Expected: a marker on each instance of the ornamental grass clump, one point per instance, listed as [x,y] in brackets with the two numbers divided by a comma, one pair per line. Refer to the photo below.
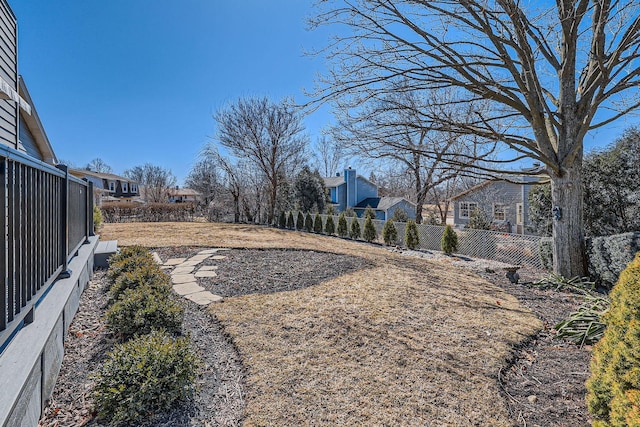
[142,310]
[411,238]
[369,234]
[449,243]
[389,233]
[613,390]
[329,226]
[343,228]
[317,224]
[144,376]
[354,230]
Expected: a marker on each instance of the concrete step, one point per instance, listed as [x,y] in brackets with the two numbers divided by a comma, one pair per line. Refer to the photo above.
[104,250]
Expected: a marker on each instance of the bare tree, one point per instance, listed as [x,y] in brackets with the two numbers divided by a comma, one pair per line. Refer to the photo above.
[98,165]
[154,180]
[268,135]
[328,156]
[205,178]
[550,72]
[397,128]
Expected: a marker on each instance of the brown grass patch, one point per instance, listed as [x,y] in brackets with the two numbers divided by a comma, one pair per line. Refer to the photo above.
[405,342]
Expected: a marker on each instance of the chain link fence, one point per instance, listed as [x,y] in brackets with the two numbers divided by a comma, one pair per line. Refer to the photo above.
[515,249]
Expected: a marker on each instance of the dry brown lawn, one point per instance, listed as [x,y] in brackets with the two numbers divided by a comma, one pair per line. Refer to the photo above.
[405,342]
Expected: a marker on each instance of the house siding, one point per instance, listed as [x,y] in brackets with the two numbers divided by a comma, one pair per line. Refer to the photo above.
[8,72]
[405,205]
[28,142]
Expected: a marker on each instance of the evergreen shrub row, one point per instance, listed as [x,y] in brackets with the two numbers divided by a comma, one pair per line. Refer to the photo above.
[153,367]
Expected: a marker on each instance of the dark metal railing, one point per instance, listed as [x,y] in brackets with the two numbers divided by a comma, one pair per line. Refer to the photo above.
[46,216]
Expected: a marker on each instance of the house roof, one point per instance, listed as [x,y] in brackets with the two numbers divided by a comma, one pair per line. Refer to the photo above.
[101,175]
[183,192]
[33,123]
[381,203]
[333,181]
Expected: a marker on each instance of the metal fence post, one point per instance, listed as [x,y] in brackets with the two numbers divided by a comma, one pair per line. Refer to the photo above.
[64,224]
[90,224]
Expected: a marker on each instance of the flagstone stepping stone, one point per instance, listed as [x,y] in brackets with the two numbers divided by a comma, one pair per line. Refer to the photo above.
[175,261]
[199,258]
[208,268]
[206,273]
[208,251]
[183,269]
[187,288]
[157,258]
[218,257]
[189,262]
[204,298]
[182,278]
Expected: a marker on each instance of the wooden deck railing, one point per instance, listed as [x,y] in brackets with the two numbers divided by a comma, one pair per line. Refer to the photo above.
[46,215]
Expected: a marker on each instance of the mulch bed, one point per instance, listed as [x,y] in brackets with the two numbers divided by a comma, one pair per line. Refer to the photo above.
[544,386]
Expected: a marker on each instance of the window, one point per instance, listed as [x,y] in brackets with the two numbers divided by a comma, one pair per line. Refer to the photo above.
[499,212]
[112,186]
[125,187]
[519,214]
[466,208]
[134,188]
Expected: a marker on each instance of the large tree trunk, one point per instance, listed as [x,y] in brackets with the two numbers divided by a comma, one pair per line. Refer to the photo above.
[569,258]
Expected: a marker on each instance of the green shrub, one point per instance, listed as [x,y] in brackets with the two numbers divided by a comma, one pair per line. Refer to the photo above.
[330,210]
[329,226]
[545,251]
[343,228]
[399,215]
[354,230]
[290,222]
[143,309]
[389,233]
[282,220]
[369,213]
[609,255]
[449,243]
[478,220]
[144,376]
[128,265]
[349,212]
[308,222]
[300,221]
[411,238]
[97,218]
[613,390]
[128,252]
[369,233]
[145,275]
[317,224]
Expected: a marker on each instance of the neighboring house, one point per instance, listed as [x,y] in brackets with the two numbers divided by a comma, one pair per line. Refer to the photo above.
[109,187]
[352,191]
[505,203]
[184,195]
[46,259]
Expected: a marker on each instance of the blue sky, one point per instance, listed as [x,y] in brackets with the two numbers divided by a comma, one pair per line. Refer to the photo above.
[135,81]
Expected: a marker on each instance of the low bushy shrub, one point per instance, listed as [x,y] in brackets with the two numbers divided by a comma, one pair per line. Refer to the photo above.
[317,224]
[290,221]
[128,265]
[144,376]
[354,230]
[145,275]
[613,396]
[128,252]
[389,233]
[114,212]
[411,238]
[300,221]
[449,243]
[343,228]
[97,218]
[369,234]
[329,226]
[143,309]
